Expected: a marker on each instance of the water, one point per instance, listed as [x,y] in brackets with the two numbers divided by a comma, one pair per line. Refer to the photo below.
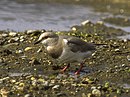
[21,17]
[50,16]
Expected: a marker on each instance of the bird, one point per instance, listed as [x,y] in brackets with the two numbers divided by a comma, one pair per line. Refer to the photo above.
[66,49]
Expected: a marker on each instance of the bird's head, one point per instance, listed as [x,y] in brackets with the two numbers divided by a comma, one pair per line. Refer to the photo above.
[47,39]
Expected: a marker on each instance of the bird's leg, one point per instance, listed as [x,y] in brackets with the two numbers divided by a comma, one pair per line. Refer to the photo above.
[64,69]
[81,66]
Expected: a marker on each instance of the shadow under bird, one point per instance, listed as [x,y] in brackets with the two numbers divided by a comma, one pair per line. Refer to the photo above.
[66,49]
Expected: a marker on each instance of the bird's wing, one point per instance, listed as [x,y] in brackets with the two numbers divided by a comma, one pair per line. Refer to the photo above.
[76,44]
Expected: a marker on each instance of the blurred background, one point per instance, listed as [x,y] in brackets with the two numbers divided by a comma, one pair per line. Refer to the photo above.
[60,15]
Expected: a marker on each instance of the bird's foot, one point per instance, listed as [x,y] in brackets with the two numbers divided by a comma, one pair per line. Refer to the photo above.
[64,69]
[77,72]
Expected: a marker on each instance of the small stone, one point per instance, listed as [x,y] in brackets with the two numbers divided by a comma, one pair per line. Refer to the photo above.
[34,32]
[56,87]
[11,44]
[85,22]
[60,94]
[125,40]
[22,38]
[39,50]
[30,31]
[100,22]
[12,34]
[117,50]
[28,48]
[4,92]
[93,87]
[73,29]
[96,92]
[128,57]
[12,81]
[87,81]
[12,40]
[19,52]
[84,95]
[89,95]
[27,95]
[4,35]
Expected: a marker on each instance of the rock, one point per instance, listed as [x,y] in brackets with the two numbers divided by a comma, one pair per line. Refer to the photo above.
[12,34]
[22,38]
[10,44]
[27,95]
[84,95]
[117,50]
[4,35]
[85,22]
[19,52]
[35,32]
[28,48]
[128,57]
[12,40]
[100,22]
[73,29]
[39,50]
[56,87]
[89,95]
[96,92]
[60,94]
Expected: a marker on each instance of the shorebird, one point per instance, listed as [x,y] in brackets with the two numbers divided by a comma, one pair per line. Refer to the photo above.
[66,49]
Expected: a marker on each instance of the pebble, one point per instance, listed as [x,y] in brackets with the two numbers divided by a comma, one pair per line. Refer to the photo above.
[30,31]
[19,52]
[39,50]
[128,57]
[22,38]
[4,35]
[100,22]
[85,22]
[73,29]
[60,94]
[84,95]
[27,95]
[96,92]
[56,87]
[116,50]
[12,34]
[12,40]
[35,32]
[28,48]
[11,44]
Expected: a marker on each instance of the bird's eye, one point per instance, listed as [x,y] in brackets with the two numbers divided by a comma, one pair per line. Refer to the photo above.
[45,37]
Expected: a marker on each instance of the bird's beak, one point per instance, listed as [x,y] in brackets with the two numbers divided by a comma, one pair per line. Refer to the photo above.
[37,42]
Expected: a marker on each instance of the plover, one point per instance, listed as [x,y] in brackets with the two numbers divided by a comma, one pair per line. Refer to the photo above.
[66,49]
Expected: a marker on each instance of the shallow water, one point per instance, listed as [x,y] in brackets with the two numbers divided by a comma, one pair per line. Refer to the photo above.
[20,17]
[50,16]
